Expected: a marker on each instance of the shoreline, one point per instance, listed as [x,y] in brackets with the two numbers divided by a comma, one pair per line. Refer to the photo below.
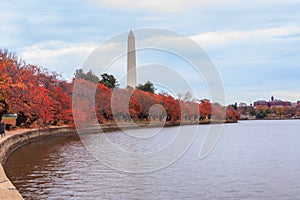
[270,119]
[106,128]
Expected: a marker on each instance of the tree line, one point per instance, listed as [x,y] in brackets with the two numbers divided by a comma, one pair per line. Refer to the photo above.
[41,98]
[270,112]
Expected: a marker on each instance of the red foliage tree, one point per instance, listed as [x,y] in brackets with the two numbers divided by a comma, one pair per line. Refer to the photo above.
[172,107]
[32,91]
[205,109]
[103,98]
[231,114]
[146,100]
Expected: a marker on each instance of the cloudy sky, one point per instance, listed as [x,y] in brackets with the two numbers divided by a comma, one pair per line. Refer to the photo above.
[253,44]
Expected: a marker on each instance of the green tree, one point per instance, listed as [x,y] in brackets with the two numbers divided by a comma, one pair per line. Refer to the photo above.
[261,115]
[109,80]
[147,87]
[89,76]
[251,111]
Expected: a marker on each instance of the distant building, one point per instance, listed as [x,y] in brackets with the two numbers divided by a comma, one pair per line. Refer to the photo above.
[261,103]
[280,103]
[273,102]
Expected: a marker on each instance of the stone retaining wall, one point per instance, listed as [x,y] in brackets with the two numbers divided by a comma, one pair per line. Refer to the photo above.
[14,140]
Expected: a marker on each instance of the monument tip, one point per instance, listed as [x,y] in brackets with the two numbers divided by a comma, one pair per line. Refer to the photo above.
[131,34]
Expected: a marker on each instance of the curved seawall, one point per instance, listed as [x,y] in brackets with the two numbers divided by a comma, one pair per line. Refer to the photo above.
[14,140]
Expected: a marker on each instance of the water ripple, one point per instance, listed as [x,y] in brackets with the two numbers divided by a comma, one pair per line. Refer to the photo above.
[253,160]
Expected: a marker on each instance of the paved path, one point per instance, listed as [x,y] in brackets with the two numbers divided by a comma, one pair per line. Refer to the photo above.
[15,132]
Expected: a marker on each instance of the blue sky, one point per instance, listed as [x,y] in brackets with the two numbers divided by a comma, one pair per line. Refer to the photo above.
[254,45]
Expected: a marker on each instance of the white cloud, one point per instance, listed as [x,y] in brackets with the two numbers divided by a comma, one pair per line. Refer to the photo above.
[180,5]
[50,49]
[66,57]
[57,55]
[159,5]
[225,37]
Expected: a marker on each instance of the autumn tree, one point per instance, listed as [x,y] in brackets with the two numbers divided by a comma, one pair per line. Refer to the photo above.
[205,109]
[146,100]
[172,107]
[231,114]
[125,105]
[84,104]
[32,91]
[103,98]
[7,60]
[218,112]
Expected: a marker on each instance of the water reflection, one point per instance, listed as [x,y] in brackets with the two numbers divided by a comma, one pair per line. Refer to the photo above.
[253,160]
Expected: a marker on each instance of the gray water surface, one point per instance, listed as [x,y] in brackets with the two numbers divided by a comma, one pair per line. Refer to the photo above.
[252,160]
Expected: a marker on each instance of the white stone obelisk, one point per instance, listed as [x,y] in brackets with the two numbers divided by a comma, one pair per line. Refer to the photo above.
[131,61]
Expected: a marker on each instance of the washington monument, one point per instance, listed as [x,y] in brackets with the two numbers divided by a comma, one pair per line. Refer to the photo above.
[131,61]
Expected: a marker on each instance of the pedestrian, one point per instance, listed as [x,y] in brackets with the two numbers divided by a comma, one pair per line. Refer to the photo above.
[2,129]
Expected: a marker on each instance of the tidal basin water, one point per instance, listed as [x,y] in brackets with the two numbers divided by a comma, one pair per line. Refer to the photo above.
[252,160]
